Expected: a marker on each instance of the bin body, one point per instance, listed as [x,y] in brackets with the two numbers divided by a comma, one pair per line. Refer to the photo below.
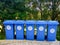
[30,30]
[52,29]
[19,30]
[41,26]
[9,29]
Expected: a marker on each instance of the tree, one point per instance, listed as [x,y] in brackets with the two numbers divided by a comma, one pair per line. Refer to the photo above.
[54,11]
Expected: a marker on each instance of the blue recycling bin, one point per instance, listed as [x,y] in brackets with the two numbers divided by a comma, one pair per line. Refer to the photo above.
[19,29]
[41,26]
[30,29]
[52,29]
[9,29]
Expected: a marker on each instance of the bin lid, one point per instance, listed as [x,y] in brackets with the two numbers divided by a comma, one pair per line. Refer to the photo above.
[30,22]
[9,22]
[20,22]
[53,22]
[41,22]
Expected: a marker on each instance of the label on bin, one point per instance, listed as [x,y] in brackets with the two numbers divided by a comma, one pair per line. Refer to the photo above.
[41,28]
[19,27]
[52,30]
[8,27]
[30,28]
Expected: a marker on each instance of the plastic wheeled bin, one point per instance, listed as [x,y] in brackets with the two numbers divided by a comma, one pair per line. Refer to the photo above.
[19,29]
[41,26]
[30,29]
[9,29]
[52,29]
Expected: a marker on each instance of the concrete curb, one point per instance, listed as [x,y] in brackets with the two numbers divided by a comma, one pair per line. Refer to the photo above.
[27,42]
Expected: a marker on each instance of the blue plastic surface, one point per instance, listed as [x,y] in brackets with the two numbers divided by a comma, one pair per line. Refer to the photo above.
[20,22]
[9,29]
[41,26]
[19,29]
[52,29]
[9,22]
[41,22]
[53,22]
[30,22]
[30,30]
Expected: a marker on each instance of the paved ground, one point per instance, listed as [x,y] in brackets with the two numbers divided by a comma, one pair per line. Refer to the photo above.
[26,42]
